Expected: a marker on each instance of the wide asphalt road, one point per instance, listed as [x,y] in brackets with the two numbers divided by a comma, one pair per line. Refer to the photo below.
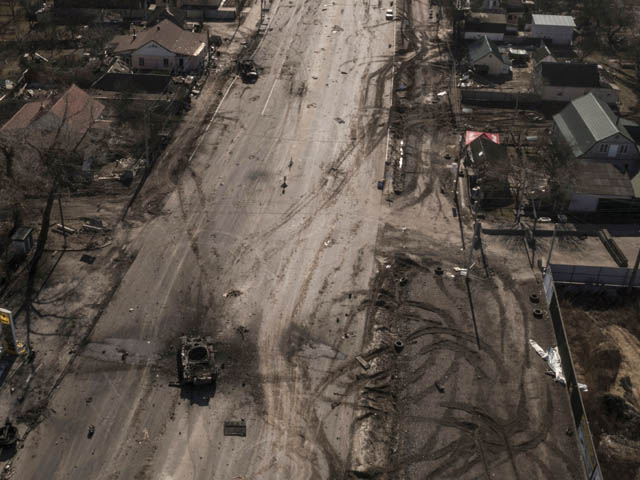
[302,259]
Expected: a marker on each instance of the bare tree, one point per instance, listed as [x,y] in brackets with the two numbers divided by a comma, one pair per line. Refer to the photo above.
[57,152]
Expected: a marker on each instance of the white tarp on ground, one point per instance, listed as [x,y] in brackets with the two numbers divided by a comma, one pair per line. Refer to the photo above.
[552,356]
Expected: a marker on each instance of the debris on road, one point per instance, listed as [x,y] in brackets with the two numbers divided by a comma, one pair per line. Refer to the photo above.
[339,120]
[232,293]
[242,331]
[88,259]
[284,185]
[552,357]
[439,387]
[91,431]
[234,428]
[363,363]
[59,228]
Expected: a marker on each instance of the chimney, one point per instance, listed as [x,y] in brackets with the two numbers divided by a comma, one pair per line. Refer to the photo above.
[158,28]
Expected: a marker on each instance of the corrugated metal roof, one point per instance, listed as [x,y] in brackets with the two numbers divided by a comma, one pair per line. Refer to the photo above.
[586,121]
[555,20]
[595,178]
[482,48]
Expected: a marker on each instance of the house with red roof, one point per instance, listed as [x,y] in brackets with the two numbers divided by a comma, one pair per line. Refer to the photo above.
[74,112]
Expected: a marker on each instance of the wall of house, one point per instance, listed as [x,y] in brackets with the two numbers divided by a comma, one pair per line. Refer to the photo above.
[583,203]
[496,66]
[559,35]
[191,63]
[566,94]
[477,35]
[154,57]
[629,159]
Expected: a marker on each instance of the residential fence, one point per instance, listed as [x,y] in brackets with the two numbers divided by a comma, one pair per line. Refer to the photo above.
[477,95]
[585,440]
[588,275]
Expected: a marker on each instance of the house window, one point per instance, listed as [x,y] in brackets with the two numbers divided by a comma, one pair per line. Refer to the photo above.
[604,148]
[181,62]
[623,149]
[141,62]
[165,62]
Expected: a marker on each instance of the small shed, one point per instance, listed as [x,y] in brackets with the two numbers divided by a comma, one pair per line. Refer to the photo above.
[542,54]
[557,29]
[22,240]
[480,24]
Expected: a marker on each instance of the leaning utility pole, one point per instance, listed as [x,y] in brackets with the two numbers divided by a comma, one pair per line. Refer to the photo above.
[634,273]
[553,241]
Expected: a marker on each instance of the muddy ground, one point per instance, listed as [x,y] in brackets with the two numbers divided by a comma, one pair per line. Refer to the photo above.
[604,333]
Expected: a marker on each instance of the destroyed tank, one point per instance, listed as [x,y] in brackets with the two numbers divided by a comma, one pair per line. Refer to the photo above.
[196,361]
[248,71]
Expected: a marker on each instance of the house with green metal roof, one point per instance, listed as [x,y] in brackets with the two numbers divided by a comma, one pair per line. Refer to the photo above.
[485,57]
[606,154]
[591,131]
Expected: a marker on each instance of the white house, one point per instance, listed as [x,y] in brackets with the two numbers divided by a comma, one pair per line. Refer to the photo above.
[165,47]
[485,57]
[557,29]
[563,82]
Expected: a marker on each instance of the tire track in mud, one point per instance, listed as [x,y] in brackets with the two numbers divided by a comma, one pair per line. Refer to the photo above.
[489,436]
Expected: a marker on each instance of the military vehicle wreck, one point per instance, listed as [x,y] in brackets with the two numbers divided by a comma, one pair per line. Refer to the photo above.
[196,361]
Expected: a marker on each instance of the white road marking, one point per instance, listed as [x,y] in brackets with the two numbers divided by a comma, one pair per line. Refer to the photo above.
[269,97]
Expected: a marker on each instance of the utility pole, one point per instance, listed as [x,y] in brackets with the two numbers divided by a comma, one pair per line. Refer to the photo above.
[456,200]
[146,138]
[553,241]
[468,282]
[533,234]
[64,230]
[634,273]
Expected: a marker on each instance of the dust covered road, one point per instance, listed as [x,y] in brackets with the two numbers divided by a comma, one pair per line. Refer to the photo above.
[277,244]
[301,256]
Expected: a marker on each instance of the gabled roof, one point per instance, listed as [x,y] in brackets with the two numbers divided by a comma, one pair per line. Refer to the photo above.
[602,178]
[483,149]
[24,117]
[483,47]
[541,52]
[558,74]
[166,34]
[75,107]
[553,20]
[586,121]
[486,22]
